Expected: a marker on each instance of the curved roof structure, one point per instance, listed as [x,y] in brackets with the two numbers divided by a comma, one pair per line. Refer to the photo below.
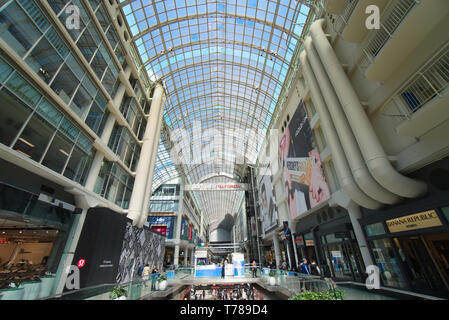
[224,64]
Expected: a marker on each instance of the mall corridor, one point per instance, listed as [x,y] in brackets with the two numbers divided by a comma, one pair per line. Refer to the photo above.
[224,150]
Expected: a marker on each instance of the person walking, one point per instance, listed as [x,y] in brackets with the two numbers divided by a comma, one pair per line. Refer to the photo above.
[154,273]
[254,268]
[314,268]
[145,273]
[305,267]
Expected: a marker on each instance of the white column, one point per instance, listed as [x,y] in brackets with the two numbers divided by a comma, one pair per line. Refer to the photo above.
[186,254]
[354,215]
[295,251]
[146,159]
[94,171]
[176,255]
[277,251]
[287,245]
[69,252]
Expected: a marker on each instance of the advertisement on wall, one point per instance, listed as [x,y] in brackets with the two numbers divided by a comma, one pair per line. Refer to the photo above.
[304,178]
[185,227]
[163,223]
[267,201]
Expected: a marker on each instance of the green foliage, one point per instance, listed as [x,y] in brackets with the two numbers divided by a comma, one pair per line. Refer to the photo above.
[271,274]
[162,277]
[331,294]
[117,292]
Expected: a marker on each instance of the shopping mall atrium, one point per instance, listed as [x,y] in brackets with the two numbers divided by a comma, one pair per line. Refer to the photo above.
[224,150]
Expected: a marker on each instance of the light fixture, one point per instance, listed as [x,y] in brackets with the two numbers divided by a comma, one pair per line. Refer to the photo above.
[64,152]
[26,142]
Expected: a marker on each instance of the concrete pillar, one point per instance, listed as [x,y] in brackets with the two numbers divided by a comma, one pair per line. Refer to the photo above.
[186,254]
[295,252]
[147,160]
[153,161]
[287,248]
[176,256]
[94,171]
[277,250]
[354,215]
[69,252]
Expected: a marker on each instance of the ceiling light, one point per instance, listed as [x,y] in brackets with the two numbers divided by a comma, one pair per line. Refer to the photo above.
[26,142]
[64,152]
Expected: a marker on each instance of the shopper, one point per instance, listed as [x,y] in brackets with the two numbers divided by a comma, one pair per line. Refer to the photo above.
[284,265]
[254,268]
[305,267]
[223,266]
[145,273]
[154,273]
[314,269]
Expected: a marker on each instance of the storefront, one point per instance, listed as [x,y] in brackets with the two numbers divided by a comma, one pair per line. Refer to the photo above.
[327,237]
[411,248]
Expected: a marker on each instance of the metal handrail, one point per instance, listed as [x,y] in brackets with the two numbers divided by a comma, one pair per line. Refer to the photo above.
[342,20]
[391,20]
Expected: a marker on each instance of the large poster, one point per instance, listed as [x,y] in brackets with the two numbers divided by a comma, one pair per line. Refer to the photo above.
[267,201]
[167,221]
[303,175]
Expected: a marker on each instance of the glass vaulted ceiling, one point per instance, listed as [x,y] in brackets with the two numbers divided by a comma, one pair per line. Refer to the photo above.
[224,64]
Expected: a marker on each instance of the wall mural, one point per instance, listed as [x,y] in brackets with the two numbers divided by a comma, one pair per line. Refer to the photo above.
[304,178]
[140,247]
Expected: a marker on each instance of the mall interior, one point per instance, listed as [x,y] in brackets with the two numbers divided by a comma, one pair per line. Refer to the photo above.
[193,149]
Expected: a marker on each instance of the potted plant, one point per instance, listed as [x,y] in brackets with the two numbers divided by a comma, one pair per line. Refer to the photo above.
[118,293]
[271,278]
[162,281]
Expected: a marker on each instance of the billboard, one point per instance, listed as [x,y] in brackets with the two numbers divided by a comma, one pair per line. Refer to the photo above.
[167,221]
[267,201]
[303,178]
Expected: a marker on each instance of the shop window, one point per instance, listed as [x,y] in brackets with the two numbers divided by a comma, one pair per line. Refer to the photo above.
[388,263]
[14,114]
[18,31]
[375,229]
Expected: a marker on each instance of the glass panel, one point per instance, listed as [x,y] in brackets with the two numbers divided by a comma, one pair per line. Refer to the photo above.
[87,45]
[13,116]
[374,229]
[340,261]
[70,130]
[65,84]
[44,60]
[5,70]
[81,102]
[35,13]
[23,90]
[18,31]
[95,117]
[58,153]
[446,214]
[34,138]
[388,263]
[49,113]
[78,165]
[57,42]
[99,64]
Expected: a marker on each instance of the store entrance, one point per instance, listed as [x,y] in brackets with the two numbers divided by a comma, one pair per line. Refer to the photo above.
[425,260]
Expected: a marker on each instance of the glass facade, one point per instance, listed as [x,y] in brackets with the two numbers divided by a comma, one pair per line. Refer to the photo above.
[114,184]
[29,32]
[164,205]
[33,126]
[89,41]
[124,146]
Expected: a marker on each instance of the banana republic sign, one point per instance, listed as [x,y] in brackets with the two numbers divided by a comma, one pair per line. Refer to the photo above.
[420,220]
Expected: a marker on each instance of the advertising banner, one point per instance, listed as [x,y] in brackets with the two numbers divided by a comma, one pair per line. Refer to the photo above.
[267,201]
[304,178]
[167,221]
[239,264]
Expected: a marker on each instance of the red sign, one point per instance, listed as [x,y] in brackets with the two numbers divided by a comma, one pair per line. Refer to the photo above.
[190,232]
[3,240]
[81,263]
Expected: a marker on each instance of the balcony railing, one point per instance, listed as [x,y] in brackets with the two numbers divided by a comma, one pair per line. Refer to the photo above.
[342,20]
[392,18]
[428,83]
